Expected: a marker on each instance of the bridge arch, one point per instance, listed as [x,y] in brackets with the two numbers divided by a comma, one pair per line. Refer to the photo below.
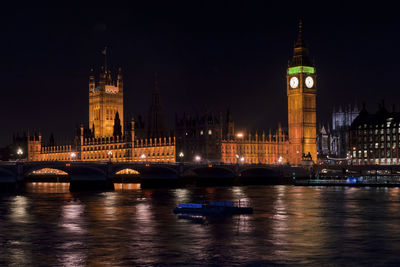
[47,171]
[69,168]
[127,171]
[149,171]
[32,169]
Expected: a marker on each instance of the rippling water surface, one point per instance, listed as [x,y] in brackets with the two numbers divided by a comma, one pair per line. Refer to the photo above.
[49,226]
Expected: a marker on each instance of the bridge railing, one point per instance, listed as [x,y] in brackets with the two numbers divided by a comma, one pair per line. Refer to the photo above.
[210,164]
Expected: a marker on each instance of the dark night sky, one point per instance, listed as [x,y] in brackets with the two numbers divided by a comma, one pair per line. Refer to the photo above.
[208,54]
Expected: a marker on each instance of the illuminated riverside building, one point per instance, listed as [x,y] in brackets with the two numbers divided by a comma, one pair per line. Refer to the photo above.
[198,138]
[374,138]
[255,149]
[332,139]
[106,138]
[342,118]
[210,137]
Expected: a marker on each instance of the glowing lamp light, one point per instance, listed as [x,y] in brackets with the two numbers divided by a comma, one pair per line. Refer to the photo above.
[237,156]
[181,155]
[20,151]
[242,159]
[73,155]
[197,158]
[109,153]
[280,159]
[239,135]
[143,156]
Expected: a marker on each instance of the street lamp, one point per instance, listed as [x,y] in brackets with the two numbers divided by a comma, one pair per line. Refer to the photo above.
[181,155]
[20,152]
[143,157]
[197,158]
[280,159]
[73,155]
[242,159]
[109,153]
[239,135]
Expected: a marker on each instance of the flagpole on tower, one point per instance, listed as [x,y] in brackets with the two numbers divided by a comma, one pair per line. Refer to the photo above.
[104,52]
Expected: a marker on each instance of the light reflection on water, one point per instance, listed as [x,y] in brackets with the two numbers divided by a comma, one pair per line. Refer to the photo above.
[73,229]
[124,186]
[45,187]
[40,187]
[291,226]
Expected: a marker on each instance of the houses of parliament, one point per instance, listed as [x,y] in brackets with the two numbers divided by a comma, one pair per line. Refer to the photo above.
[206,137]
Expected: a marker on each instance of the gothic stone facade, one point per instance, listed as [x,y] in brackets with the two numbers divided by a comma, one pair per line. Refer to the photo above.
[333,141]
[105,139]
[213,139]
[208,137]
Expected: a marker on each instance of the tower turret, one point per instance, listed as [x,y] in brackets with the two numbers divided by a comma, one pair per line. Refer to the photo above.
[92,83]
[102,79]
[120,83]
[229,126]
[132,131]
[105,100]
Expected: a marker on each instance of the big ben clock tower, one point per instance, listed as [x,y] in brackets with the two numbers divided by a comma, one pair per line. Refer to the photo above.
[301,92]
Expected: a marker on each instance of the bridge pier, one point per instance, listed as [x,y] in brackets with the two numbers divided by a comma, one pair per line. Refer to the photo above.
[77,185]
[82,180]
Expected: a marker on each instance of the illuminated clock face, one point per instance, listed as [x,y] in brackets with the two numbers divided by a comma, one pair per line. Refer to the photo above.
[294,82]
[309,82]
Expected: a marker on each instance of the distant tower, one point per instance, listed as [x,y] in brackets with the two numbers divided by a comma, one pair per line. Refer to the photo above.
[156,125]
[105,100]
[229,131]
[301,92]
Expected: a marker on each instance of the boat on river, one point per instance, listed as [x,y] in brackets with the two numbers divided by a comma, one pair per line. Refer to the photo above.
[212,208]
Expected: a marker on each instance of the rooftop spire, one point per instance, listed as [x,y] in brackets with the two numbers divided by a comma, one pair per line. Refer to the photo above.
[104,52]
[300,55]
[155,81]
[299,42]
[156,92]
[156,126]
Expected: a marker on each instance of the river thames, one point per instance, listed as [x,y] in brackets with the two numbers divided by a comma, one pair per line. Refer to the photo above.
[48,226]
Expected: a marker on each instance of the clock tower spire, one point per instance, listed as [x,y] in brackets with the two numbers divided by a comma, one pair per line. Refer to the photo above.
[301,92]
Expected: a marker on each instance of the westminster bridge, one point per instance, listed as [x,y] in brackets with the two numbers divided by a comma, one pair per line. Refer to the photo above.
[98,175]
